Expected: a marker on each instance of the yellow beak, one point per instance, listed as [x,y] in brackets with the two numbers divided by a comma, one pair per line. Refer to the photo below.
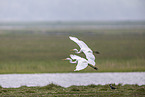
[63,59]
[72,50]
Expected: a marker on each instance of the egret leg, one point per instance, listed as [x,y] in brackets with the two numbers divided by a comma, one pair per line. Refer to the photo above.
[93,67]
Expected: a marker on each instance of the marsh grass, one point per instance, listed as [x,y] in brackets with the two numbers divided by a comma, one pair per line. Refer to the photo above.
[51,86]
[53,90]
[27,52]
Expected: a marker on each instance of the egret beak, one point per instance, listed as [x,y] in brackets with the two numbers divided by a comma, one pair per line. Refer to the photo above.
[72,50]
[63,59]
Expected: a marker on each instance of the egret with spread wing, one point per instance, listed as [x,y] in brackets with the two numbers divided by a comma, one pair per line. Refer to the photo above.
[82,63]
[85,49]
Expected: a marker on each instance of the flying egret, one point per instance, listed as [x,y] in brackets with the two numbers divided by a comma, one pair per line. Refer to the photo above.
[82,63]
[84,48]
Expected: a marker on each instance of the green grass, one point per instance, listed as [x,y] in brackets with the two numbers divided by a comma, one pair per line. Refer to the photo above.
[53,90]
[27,51]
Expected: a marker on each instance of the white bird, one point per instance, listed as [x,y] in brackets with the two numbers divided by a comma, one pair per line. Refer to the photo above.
[84,48]
[82,63]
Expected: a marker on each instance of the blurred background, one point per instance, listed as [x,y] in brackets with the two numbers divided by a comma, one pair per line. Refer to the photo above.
[34,34]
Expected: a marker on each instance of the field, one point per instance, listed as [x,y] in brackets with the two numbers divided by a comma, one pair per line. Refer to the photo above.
[42,51]
[76,91]
[35,50]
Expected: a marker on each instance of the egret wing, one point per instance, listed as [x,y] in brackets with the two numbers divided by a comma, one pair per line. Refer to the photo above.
[92,62]
[90,55]
[75,57]
[81,65]
[79,42]
[74,38]
[91,58]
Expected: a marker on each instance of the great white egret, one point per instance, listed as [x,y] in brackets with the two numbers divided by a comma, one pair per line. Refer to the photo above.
[85,49]
[82,63]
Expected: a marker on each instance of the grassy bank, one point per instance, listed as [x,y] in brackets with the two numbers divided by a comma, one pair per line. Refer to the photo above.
[24,51]
[73,91]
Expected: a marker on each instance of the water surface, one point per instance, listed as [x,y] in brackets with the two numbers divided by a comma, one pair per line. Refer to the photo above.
[68,79]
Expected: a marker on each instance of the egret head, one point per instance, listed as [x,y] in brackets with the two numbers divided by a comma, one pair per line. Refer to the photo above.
[74,50]
[66,59]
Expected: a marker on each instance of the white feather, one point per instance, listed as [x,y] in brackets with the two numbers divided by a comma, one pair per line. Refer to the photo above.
[84,48]
[82,63]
